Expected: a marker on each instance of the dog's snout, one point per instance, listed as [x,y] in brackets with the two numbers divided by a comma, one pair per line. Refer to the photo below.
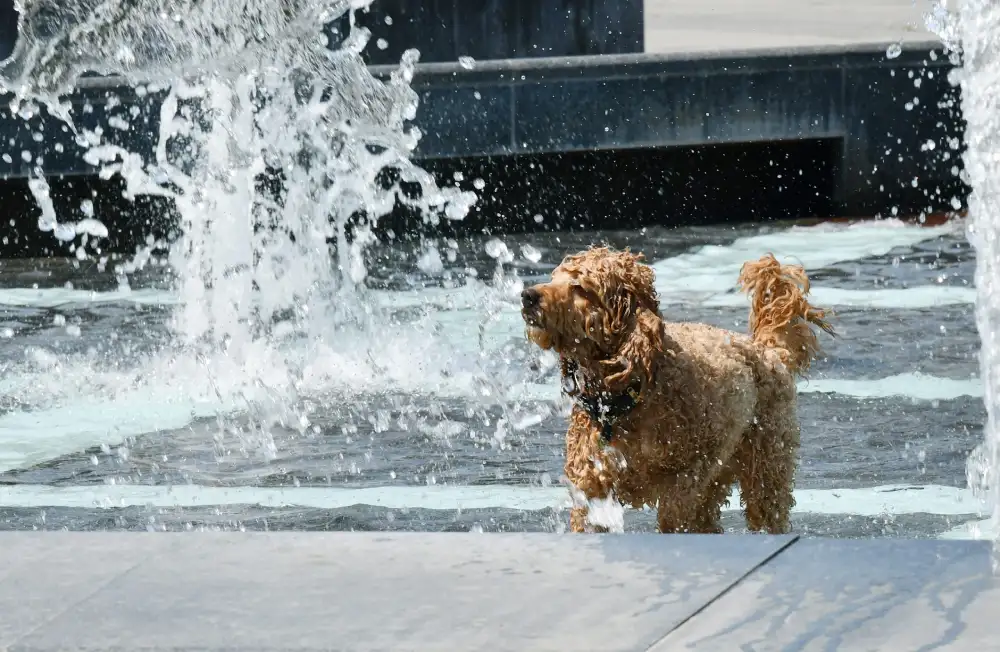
[530,297]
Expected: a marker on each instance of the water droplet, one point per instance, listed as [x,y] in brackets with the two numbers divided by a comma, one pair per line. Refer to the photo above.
[430,261]
[894,50]
[530,253]
[498,250]
[467,62]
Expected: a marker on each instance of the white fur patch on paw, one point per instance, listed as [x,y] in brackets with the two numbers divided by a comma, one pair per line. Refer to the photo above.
[607,512]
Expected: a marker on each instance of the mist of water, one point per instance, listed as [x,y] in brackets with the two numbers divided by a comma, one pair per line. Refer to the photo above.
[265,279]
[971,29]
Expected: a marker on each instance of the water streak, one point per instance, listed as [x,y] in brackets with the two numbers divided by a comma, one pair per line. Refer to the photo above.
[972,29]
[266,274]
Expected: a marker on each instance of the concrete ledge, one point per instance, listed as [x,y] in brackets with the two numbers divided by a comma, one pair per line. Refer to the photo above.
[491,592]
[444,30]
[623,101]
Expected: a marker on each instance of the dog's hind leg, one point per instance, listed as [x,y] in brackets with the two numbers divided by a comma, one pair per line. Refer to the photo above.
[699,514]
[765,466]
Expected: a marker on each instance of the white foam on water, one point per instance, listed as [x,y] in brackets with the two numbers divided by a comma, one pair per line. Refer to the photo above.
[59,297]
[889,500]
[466,300]
[977,530]
[912,386]
[713,269]
[28,438]
[913,298]
[915,385]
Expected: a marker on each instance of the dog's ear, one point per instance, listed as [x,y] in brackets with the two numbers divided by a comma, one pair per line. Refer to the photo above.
[634,358]
[643,285]
[619,310]
[638,279]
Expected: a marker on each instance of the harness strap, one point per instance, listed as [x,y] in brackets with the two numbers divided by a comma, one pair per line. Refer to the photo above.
[604,408]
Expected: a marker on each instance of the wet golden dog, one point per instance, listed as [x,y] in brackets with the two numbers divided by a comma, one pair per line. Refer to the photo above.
[672,415]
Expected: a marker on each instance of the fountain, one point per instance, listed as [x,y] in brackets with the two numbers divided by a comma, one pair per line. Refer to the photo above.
[249,87]
[970,30]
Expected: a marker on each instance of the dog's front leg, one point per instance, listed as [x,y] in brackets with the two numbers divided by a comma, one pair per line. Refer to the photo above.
[587,469]
[578,521]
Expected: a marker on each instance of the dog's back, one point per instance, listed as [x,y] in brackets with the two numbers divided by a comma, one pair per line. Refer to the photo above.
[780,315]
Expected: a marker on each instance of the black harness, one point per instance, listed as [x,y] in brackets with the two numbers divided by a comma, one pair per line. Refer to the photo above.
[604,408]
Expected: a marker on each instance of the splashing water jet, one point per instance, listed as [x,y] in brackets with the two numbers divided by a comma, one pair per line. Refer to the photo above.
[248,87]
[971,29]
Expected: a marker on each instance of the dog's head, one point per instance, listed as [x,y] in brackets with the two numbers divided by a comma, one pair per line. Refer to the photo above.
[590,306]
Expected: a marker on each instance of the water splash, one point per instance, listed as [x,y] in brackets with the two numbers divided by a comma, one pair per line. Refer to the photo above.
[250,88]
[971,28]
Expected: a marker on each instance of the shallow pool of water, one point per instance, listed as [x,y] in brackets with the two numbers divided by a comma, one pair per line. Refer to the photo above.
[437,415]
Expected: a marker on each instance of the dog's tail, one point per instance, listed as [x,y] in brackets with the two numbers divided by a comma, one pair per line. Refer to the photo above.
[780,315]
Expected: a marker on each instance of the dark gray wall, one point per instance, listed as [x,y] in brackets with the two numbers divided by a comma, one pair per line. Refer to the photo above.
[8,28]
[884,112]
[444,30]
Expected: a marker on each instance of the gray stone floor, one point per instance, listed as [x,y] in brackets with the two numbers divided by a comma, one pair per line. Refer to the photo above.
[359,591]
[712,25]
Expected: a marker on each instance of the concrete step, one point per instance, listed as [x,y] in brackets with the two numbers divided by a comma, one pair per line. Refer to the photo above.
[361,591]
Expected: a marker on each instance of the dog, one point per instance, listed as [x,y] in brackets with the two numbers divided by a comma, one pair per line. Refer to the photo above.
[672,415]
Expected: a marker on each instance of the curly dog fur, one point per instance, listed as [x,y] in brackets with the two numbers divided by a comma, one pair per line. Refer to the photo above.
[711,408]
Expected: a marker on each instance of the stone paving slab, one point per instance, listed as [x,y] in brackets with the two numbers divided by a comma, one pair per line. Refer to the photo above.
[354,591]
[310,591]
[43,575]
[856,595]
[673,26]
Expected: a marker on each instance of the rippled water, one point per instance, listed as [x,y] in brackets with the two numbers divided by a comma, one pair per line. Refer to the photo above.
[449,420]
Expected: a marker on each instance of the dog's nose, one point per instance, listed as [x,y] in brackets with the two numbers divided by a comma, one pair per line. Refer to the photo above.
[530,298]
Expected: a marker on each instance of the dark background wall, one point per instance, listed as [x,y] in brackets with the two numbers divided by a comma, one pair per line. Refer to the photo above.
[592,142]
[8,28]
[444,30]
